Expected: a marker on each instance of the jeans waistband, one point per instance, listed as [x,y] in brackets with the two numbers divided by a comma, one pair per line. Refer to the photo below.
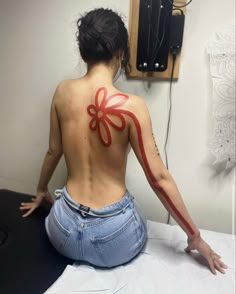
[105,211]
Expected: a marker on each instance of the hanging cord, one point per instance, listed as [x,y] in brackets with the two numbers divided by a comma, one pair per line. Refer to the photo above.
[161,41]
[170,108]
[174,54]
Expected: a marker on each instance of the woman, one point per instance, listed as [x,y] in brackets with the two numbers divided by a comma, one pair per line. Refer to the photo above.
[94,217]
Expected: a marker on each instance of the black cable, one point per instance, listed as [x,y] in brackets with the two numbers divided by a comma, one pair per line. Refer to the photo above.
[170,106]
[180,6]
[156,47]
[149,29]
[156,50]
[174,54]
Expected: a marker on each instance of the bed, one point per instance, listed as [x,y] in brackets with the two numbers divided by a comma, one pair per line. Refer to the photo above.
[29,264]
[162,267]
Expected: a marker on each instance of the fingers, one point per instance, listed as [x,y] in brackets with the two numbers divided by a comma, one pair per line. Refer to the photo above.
[26,206]
[29,212]
[212,266]
[222,264]
[30,206]
[211,256]
[215,263]
[219,267]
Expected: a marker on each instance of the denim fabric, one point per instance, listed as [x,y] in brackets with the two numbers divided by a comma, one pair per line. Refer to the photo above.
[104,237]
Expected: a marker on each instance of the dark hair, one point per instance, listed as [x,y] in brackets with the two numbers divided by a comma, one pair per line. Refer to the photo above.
[101,33]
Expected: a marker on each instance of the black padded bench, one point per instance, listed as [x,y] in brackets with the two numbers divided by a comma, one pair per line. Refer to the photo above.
[28,262]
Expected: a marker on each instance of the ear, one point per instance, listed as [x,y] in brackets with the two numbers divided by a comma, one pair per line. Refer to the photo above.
[121,54]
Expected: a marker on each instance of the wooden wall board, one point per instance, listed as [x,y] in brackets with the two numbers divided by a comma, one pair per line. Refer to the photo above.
[133,40]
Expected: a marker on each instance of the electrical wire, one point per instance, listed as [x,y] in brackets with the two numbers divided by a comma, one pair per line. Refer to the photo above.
[156,50]
[158,46]
[158,42]
[174,54]
[149,29]
[180,6]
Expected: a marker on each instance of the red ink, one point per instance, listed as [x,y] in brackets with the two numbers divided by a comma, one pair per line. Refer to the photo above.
[100,114]
[100,119]
[153,179]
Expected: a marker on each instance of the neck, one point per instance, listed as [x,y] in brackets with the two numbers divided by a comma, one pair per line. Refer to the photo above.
[101,73]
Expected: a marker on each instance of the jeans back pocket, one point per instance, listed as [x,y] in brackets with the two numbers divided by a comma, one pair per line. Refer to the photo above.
[116,242]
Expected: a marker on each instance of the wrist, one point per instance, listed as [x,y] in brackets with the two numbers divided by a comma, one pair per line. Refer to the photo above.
[41,190]
[195,236]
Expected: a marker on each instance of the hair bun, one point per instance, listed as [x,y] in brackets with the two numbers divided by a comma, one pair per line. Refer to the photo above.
[101,33]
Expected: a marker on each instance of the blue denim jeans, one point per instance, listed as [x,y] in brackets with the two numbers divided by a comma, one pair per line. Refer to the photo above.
[104,237]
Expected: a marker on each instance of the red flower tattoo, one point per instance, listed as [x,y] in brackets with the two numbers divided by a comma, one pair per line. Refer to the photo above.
[103,112]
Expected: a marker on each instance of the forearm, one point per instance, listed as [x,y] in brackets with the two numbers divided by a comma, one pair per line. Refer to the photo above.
[49,164]
[170,197]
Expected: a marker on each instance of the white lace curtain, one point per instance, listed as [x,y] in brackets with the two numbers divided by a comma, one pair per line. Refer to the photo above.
[221,52]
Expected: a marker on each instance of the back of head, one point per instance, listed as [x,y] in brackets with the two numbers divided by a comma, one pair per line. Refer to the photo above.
[101,34]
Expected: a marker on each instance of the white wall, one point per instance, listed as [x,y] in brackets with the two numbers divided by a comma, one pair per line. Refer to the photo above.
[38,50]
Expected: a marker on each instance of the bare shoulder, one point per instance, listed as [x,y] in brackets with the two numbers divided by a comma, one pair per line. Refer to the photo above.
[65,85]
[136,99]
[137,103]
[60,88]
[64,89]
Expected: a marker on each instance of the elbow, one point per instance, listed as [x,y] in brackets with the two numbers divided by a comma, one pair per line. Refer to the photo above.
[56,153]
[159,181]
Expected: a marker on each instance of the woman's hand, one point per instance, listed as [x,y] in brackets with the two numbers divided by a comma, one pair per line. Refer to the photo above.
[36,202]
[205,250]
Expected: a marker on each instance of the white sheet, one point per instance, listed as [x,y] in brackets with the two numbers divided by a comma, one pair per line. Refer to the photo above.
[162,267]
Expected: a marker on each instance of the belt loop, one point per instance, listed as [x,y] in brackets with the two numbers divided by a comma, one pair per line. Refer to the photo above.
[58,193]
[84,214]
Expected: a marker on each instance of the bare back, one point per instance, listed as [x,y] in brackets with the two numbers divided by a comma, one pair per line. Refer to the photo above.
[95,144]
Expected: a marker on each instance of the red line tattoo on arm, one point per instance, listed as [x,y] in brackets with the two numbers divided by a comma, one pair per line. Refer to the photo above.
[100,120]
